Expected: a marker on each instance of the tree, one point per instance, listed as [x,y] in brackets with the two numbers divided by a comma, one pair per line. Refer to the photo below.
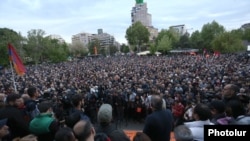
[54,51]
[196,40]
[112,49]
[184,42]
[172,34]
[246,34]
[124,48]
[152,48]
[78,49]
[95,44]
[227,42]
[35,46]
[209,32]
[165,44]
[137,34]
[9,36]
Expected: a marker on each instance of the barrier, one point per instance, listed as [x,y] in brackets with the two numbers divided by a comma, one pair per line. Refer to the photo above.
[132,133]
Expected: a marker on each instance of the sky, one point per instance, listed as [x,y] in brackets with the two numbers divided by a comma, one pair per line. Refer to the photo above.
[70,17]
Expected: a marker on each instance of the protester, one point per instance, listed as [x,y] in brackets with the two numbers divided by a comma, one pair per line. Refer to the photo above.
[65,134]
[140,136]
[44,125]
[202,117]
[105,125]
[17,125]
[158,124]
[4,129]
[183,133]
[84,130]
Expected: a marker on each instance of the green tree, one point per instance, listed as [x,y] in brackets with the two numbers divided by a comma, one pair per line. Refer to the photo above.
[209,32]
[165,44]
[246,34]
[112,49]
[78,49]
[9,36]
[54,51]
[227,42]
[35,46]
[95,43]
[137,34]
[184,42]
[172,34]
[124,48]
[196,40]
[152,48]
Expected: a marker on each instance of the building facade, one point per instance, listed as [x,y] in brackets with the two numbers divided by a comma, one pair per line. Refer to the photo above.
[180,29]
[83,38]
[140,13]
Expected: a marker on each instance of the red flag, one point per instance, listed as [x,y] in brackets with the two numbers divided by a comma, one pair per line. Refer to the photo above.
[15,59]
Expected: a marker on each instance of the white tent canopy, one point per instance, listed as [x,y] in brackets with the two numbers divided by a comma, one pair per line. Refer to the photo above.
[147,52]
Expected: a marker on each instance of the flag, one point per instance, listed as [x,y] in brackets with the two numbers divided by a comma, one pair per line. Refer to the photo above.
[15,59]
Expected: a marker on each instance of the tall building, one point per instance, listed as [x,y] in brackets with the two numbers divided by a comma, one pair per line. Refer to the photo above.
[140,13]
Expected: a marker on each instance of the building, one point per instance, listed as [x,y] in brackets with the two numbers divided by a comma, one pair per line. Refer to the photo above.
[140,13]
[105,39]
[245,26]
[83,37]
[57,37]
[180,29]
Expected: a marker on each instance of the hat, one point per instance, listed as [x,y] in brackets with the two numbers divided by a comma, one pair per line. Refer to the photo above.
[3,122]
[105,113]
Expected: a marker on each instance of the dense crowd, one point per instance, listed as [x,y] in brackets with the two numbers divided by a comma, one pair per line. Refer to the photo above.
[127,82]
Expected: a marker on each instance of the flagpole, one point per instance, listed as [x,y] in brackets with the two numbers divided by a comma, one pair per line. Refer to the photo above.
[13,77]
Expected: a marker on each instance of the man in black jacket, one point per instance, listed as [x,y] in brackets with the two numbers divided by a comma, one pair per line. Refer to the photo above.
[17,125]
[158,124]
[106,126]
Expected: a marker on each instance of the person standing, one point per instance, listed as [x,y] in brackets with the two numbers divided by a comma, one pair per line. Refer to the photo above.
[18,127]
[158,124]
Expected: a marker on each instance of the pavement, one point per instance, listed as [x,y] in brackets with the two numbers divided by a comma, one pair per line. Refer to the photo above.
[131,125]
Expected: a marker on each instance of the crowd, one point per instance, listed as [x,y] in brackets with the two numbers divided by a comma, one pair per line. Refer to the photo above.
[189,86]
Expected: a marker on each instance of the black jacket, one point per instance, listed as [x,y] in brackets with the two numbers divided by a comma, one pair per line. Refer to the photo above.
[113,133]
[17,125]
[158,125]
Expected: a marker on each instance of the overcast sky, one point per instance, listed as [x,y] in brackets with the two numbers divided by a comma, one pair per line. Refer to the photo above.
[70,17]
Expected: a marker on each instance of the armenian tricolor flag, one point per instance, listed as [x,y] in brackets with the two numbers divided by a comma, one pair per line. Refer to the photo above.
[15,59]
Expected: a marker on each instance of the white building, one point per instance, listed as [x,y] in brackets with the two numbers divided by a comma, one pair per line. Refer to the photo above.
[105,39]
[83,37]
